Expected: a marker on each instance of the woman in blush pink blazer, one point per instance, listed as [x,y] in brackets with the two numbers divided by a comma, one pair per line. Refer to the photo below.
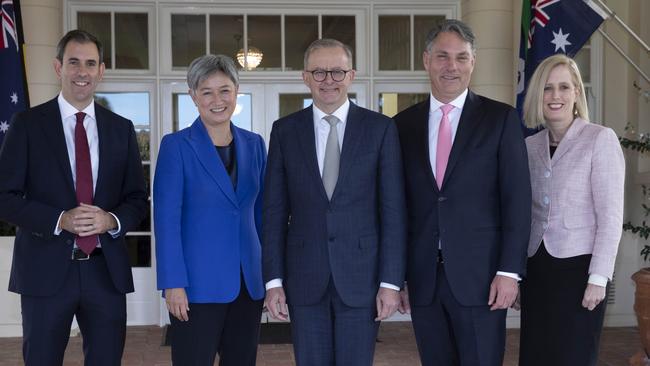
[577,175]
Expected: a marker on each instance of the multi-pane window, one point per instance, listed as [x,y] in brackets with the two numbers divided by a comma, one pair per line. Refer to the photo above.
[125,36]
[269,42]
[401,40]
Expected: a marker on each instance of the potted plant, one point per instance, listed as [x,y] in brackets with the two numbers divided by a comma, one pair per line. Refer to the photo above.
[642,277]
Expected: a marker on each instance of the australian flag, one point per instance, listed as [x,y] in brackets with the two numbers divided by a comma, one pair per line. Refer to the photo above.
[13,89]
[553,26]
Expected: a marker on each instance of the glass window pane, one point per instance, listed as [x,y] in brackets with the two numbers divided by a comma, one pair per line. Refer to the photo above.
[139,248]
[394,42]
[294,102]
[300,32]
[264,34]
[133,106]
[188,38]
[392,103]
[99,25]
[422,24]
[185,112]
[226,34]
[342,28]
[131,41]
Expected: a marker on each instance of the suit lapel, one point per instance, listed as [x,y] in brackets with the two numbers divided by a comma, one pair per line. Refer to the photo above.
[53,129]
[353,133]
[307,141]
[565,145]
[205,152]
[469,120]
[420,131]
[243,157]
[540,144]
[103,135]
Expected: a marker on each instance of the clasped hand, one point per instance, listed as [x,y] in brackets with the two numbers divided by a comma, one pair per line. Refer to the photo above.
[86,220]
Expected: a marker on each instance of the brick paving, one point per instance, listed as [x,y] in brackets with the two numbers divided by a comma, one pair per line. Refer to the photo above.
[396,347]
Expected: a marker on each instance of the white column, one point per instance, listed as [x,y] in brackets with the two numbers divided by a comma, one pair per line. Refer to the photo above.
[492,22]
[42,26]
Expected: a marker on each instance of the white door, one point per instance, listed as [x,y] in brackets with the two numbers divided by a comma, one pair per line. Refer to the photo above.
[137,101]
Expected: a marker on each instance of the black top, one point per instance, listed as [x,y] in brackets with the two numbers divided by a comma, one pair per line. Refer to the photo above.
[552,149]
[227,155]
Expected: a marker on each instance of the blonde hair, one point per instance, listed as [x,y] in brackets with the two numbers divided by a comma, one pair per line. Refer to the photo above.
[534,101]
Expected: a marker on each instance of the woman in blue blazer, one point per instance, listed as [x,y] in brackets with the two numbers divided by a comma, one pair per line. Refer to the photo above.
[207,215]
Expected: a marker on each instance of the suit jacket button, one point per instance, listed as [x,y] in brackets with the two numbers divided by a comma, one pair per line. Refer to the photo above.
[442,199]
[68,241]
[332,238]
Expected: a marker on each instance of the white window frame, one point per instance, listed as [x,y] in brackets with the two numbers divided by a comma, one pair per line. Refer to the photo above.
[449,11]
[144,278]
[77,7]
[595,85]
[359,11]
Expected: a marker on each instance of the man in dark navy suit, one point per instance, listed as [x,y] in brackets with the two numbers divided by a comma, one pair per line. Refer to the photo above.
[334,218]
[468,198]
[72,182]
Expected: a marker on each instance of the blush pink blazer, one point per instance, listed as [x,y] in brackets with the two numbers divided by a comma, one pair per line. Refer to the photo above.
[578,195]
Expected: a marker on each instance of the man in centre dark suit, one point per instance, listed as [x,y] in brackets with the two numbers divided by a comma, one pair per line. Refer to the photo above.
[468,198]
[72,182]
[334,218]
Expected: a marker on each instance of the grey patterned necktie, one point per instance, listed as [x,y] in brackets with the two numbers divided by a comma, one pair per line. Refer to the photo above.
[332,157]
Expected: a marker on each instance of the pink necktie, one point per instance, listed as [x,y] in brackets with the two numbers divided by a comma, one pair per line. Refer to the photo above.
[84,181]
[444,144]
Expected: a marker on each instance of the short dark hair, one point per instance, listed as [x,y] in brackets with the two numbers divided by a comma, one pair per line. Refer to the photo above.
[79,36]
[451,25]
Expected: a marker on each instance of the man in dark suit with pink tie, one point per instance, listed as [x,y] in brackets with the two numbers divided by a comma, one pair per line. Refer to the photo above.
[72,182]
[468,199]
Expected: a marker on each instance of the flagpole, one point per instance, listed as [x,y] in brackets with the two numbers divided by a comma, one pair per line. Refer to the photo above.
[620,50]
[628,29]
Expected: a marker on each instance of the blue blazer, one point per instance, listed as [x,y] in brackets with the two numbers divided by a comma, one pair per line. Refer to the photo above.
[205,230]
[358,237]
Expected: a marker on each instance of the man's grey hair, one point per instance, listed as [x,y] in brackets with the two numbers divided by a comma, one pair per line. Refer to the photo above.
[451,25]
[205,66]
[327,43]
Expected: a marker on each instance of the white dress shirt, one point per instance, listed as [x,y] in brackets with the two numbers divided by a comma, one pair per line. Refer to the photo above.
[435,115]
[69,119]
[321,131]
